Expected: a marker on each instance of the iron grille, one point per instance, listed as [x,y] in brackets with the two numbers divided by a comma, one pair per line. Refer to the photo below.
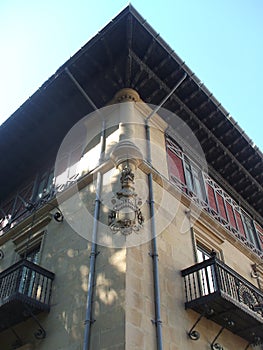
[25,288]
[212,285]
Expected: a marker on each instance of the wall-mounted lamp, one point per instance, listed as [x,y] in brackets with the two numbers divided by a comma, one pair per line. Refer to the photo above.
[255,273]
[126,216]
[58,216]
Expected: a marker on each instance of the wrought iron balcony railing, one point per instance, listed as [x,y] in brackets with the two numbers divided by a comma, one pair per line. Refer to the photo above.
[25,290]
[217,292]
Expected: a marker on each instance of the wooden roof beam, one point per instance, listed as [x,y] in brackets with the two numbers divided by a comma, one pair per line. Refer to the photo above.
[149,50]
[204,120]
[111,61]
[200,106]
[129,32]
[191,96]
[162,63]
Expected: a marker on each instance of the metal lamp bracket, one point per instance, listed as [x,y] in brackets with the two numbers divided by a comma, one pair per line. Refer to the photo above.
[194,334]
[217,346]
[40,333]
[58,216]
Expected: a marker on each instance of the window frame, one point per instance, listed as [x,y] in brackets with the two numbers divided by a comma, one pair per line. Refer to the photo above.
[194,176]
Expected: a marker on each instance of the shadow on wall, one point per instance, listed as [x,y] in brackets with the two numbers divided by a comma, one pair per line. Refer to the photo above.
[68,255]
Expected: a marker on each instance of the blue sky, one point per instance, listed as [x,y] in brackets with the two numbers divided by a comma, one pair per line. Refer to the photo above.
[221,41]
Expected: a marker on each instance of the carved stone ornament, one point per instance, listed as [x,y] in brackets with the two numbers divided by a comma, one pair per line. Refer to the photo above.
[126,216]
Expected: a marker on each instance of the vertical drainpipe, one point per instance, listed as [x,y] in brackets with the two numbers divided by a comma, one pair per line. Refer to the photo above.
[154,254]
[93,253]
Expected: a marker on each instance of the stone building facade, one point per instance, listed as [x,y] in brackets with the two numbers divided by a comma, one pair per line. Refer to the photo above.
[131,207]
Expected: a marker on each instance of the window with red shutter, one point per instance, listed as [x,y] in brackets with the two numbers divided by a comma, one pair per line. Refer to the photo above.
[221,205]
[205,190]
[175,164]
[231,216]
[211,197]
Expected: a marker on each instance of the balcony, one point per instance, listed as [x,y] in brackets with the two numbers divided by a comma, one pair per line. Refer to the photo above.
[25,290]
[218,293]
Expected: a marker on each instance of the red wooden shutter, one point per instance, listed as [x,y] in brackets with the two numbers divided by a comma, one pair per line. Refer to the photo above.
[231,217]
[240,224]
[222,210]
[175,164]
[211,197]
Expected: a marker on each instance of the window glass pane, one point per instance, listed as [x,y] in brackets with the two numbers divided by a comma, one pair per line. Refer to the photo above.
[197,176]
[202,253]
[250,231]
[42,185]
[188,175]
[194,180]
[45,184]
[28,285]
[50,181]
[260,234]
[32,255]
[206,275]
